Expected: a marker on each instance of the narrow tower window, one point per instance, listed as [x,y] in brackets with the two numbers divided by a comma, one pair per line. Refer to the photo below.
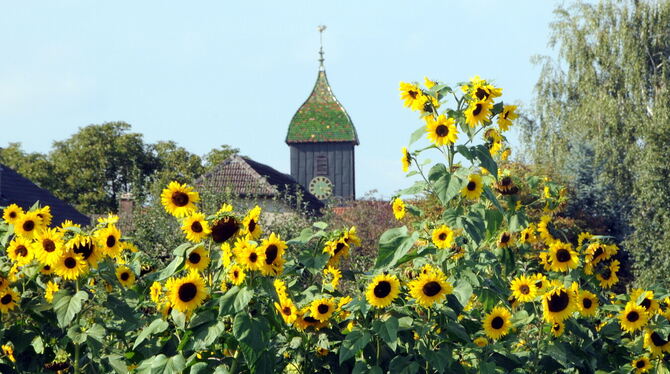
[321,165]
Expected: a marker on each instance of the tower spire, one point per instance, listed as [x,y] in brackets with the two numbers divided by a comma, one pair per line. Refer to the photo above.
[321,29]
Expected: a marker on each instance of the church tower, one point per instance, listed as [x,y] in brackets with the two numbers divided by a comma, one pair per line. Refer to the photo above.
[322,137]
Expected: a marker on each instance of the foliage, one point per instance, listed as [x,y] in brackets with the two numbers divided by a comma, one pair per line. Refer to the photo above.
[601,119]
[99,163]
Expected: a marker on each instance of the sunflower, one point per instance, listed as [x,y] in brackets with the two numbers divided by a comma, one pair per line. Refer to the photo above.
[473,189]
[280,288]
[20,250]
[195,227]
[587,303]
[558,304]
[507,151]
[655,343]
[412,96]
[543,228]
[111,219]
[477,112]
[8,299]
[187,293]
[12,214]
[197,259]
[84,245]
[250,224]
[506,186]
[179,199]
[48,246]
[633,317]
[506,116]
[49,291]
[497,323]
[156,291]
[287,310]
[429,288]
[322,309]
[350,237]
[70,265]
[68,225]
[248,255]
[334,274]
[337,249]
[505,240]
[441,131]
[398,208]
[224,229]
[562,257]
[528,235]
[47,269]
[383,289]
[443,237]
[645,299]
[523,288]
[406,159]
[303,321]
[641,365]
[557,328]
[273,248]
[483,91]
[608,277]
[45,216]
[125,276]
[27,225]
[236,275]
[481,341]
[597,252]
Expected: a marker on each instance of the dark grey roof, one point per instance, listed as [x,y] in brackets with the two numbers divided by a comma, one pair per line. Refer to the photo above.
[246,177]
[19,190]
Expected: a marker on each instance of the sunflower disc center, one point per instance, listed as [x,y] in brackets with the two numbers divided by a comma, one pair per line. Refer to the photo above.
[194,258]
[179,199]
[431,289]
[382,289]
[413,93]
[187,292]
[21,251]
[271,253]
[84,249]
[646,303]
[442,131]
[286,311]
[111,241]
[323,308]
[442,236]
[587,303]
[48,245]
[632,316]
[524,289]
[558,302]
[125,276]
[497,322]
[224,229]
[640,364]
[28,225]
[657,340]
[253,257]
[477,110]
[339,247]
[6,299]
[70,263]
[472,186]
[563,255]
[196,227]
[252,225]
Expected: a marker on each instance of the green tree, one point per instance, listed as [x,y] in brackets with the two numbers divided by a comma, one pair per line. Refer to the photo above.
[218,155]
[100,162]
[175,164]
[606,98]
[35,166]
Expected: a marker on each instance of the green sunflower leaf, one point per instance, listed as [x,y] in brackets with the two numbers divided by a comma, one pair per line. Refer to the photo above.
[67,306]
[156,327]
[416,135]
[353,343]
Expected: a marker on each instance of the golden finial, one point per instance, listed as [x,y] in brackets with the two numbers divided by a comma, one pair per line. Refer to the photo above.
[321,29]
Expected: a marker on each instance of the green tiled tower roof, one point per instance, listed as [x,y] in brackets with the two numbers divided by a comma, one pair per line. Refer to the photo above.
[321,118]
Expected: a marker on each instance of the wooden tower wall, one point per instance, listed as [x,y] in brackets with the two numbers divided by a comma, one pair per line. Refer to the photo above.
[307,162]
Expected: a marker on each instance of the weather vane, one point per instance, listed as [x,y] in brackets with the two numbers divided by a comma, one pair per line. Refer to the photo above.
[321,29]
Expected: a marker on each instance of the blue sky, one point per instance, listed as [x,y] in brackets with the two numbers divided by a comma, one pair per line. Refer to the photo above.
[213,72]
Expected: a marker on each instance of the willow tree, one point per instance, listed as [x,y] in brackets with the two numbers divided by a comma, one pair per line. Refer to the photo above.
[602,119]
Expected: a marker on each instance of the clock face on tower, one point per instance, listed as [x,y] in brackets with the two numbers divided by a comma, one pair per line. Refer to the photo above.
[321,187]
